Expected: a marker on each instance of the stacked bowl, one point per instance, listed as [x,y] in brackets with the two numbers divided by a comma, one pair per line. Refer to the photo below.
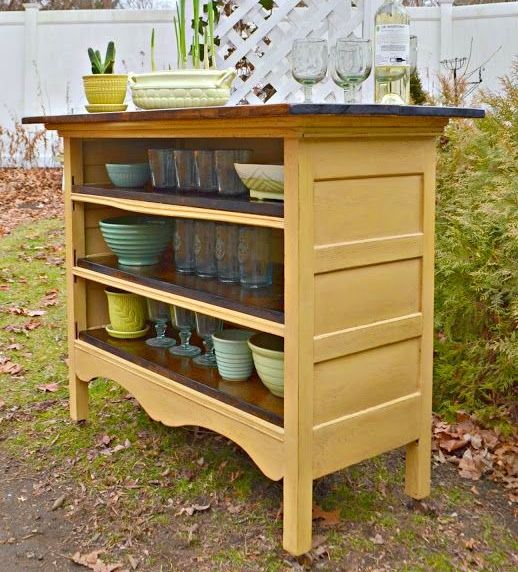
[136,240]
[233,355]
[268,355]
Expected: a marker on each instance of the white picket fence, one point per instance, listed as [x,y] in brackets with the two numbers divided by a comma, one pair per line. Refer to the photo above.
[46,50]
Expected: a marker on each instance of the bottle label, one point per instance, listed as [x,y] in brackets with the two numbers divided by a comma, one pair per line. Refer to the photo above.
[392,45]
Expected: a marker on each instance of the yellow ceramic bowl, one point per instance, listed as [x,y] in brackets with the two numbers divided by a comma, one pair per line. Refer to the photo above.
[268,355]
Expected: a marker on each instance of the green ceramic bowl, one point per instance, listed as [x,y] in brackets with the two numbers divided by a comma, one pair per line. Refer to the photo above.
[268,355]
[128,175]
[137,240]
[233,355]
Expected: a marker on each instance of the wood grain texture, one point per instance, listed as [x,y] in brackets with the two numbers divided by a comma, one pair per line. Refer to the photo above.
[250,111]
[250,396]
[366,379]
[359,296]
[365,434]
[361,338]
[175,404]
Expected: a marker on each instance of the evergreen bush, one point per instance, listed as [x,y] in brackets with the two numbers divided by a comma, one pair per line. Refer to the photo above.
[476,349]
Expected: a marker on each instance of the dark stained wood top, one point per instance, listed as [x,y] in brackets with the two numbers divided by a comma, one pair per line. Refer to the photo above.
[188,199]
[267,110]
[250,396]
[266,303]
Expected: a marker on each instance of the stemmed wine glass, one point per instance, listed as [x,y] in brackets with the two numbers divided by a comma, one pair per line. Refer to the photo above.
[352,65]
[309,64]
[206,326]
[159,313]
[185,322]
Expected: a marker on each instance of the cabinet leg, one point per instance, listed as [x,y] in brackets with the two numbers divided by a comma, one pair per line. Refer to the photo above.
[418,468]
[298,515]
[78,398]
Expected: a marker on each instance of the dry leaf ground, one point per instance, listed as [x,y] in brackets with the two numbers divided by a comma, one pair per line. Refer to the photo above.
[122,489]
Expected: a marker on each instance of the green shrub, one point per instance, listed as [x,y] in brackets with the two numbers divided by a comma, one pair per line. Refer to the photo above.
[476,349]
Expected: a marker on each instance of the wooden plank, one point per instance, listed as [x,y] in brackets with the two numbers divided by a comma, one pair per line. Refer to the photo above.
[218,311]
[265,303]
[298,366]
[175,404]
[251,395]
[365,295]
[354,438]
[350,210]
[366,379]
[361,338]
[195,199]
[365,157]
[418,454]
[332,257]
[181,211]
[254,111]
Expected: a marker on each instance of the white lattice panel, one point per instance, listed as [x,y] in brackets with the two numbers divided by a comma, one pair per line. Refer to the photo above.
[268,47]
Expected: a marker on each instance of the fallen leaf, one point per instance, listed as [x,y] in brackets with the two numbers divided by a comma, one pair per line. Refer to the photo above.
[33,313]
[190,510]
[91,561]
[2,404]
[49,387]
[58,503]
[133,562]
[377,539]
[469,468]
[330,518]
[14,347]
[9,367]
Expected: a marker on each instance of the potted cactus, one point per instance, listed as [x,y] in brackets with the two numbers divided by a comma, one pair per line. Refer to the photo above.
[104,90]
[197,81]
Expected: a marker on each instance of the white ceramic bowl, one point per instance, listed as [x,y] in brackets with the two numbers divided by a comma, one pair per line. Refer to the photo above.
[264,181]
[268,355]
[233,355]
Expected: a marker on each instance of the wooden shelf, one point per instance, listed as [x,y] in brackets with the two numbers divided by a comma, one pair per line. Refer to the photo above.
[209,206]
[250,396]
[264,303]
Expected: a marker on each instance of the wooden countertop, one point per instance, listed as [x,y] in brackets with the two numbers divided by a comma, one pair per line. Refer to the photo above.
[260,111]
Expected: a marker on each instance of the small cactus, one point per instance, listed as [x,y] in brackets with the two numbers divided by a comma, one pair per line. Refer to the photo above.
[98,65]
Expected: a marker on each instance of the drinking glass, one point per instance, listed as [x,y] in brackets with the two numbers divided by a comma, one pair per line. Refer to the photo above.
[309,64]
[228,180]
[205,171]
[163,173]
[185,171]
[185,323]
[205,249]
[206,326]
[183,244]
[353,62]
[255,257]
[159,313]
[227,240]
[412,60]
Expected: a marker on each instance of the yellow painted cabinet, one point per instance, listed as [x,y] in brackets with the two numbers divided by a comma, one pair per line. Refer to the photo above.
[355,239]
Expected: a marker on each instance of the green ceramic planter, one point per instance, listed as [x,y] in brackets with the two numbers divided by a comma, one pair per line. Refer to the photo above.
[127,311]
[137,240]
[233,355]
[268,355]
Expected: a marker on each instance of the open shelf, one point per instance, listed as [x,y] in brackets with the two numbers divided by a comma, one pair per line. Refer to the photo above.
[250,396]
[264,303]
[267,213]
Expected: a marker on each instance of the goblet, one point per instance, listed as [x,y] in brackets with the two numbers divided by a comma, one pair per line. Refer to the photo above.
[352,65]
[159,313]
[206,326]
[185,322]
[309,64]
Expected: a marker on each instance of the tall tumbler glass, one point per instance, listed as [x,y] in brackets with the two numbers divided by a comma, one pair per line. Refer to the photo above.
[255,256]
[183,244]
[185,170]
[205,171]
[205,248]
[227,240]
[228,180]
[163,173]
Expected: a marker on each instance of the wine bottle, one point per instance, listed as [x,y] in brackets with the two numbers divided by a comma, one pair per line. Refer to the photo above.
[392,54]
